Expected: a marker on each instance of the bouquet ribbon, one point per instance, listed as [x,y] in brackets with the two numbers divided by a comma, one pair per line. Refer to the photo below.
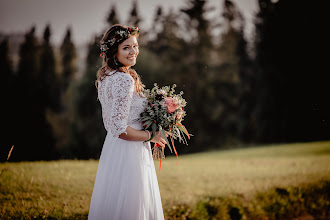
[157,145]
[160,160]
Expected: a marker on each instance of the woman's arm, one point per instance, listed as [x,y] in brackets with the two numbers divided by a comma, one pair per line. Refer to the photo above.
[138,135]
[122,93]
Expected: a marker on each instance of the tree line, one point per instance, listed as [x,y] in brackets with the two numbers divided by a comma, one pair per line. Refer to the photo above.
[236,94]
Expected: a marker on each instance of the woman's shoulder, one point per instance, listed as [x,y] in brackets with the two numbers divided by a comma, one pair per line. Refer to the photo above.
[122,76]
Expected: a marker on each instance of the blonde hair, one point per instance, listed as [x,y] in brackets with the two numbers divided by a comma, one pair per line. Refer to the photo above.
[109,63]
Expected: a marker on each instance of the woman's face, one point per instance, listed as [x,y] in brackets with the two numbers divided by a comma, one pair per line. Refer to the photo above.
[128,50]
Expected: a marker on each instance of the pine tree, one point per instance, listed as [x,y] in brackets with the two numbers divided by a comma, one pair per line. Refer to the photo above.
[231,83]
[164,48]
[135,20]
[87,130]
[134,17]
[156,26]
[6,68]
[113,18]
[28,66]
[7,97]
[247,93]
[49,86]
[68,56]
[33,136]
[61,120]
[165,29]
[6,65]
[196,63]
[198,28]
[291,106]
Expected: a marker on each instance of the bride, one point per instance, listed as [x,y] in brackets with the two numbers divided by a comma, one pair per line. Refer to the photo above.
[126,185]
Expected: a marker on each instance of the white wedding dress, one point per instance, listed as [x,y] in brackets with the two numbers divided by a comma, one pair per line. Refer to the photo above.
[126,186]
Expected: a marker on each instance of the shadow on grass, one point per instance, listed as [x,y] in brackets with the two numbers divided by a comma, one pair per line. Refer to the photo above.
[278,203]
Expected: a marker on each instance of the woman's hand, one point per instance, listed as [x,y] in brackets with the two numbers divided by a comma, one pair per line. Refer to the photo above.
[158,139]
[132,134]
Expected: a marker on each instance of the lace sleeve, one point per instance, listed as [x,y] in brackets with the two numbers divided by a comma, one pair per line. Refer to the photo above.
[122,94]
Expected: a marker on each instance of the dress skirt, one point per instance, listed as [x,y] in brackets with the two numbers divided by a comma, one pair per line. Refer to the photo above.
[126,186]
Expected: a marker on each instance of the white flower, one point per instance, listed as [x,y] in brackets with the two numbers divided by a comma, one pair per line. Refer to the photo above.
[161,92]
[121,32]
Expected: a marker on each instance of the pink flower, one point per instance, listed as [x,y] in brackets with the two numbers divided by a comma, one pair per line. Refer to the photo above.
[170,105]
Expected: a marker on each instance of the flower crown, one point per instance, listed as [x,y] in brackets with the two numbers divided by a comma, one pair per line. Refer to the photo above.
[119,36]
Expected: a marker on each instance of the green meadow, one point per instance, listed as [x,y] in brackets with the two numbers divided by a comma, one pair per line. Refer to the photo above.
[287,181]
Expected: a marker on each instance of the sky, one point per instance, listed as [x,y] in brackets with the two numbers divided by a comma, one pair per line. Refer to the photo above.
[87,18]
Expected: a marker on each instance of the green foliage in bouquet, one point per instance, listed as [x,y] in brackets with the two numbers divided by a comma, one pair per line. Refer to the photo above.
[164,113]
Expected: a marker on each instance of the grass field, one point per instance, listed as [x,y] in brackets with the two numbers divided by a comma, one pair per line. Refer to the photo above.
[250,181]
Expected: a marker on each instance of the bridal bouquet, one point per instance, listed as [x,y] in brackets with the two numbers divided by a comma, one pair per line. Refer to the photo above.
[164,113]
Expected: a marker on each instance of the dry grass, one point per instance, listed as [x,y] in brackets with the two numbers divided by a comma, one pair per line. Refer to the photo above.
[242,171]
[62,189]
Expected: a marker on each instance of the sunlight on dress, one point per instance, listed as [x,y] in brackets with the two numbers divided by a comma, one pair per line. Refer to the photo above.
[126,185]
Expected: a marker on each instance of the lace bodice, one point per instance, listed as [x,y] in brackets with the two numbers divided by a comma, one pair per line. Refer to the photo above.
[121,105]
